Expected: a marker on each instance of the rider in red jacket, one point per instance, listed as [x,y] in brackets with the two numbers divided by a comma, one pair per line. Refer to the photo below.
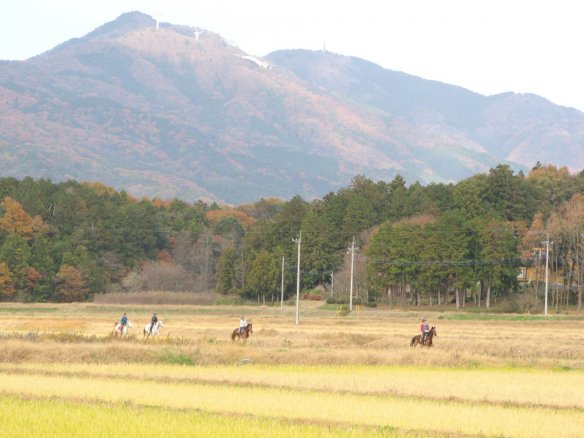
[424,328]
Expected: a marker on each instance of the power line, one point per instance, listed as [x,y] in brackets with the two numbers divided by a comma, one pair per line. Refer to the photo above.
[517,261]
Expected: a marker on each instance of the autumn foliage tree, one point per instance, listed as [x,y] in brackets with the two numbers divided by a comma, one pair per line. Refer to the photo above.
[7,289]
[15,220]
[69,284]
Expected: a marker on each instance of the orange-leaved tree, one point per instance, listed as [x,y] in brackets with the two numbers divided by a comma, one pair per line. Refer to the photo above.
[7,289]
[32,277]
[16,220]
[70,285]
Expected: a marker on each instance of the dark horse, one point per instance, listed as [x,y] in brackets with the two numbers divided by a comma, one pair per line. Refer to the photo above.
[244,333]
[417,340]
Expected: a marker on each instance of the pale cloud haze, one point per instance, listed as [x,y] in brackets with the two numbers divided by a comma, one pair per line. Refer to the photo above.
[486,46]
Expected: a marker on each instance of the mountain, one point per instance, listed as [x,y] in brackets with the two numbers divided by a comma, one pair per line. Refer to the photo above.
[169,112]
[515,128]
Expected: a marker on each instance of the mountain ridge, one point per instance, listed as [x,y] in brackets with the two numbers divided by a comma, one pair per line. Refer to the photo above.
[164,113]
[469,112]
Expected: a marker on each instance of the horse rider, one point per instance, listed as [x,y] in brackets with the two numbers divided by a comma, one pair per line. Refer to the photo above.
[124,321]
[425,329]
[154,321]
[242,324]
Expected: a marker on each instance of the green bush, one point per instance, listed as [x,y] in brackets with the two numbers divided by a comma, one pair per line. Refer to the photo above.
[230,300]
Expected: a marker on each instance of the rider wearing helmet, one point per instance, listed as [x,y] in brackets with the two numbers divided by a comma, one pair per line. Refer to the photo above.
[242,324]
[424,329]
[124,320]
[153,322]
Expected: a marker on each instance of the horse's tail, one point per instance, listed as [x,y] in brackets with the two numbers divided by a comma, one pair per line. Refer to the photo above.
[414,339]
[233,335]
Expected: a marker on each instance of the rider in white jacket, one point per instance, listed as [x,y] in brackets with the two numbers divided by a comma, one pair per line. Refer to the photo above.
[242,324]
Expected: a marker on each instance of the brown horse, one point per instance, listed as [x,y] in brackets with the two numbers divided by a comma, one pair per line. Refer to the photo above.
[417,340]
[244,333]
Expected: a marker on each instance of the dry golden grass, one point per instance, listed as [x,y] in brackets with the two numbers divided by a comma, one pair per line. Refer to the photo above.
[374,337]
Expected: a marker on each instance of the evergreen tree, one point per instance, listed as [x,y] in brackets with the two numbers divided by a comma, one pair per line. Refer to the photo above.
[264,275]
[15,252]
[498,249]
[319,256]
[226,271]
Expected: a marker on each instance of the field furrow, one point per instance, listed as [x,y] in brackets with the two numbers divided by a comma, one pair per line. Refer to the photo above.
[517,387]
[48,418]
[351,409]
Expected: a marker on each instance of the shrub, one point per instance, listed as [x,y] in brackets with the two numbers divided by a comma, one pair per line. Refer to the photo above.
[312,297]
[155,297]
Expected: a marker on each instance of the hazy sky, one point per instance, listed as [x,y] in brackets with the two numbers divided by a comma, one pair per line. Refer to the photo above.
[486,46]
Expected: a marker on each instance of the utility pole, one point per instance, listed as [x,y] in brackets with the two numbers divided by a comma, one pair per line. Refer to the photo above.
[547,253]
[242,269]
[207,238]
[282,295]
[332,283]
[298,241]
[352,250]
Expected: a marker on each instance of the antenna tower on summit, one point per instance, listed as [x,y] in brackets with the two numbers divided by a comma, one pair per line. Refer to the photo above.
[158,14]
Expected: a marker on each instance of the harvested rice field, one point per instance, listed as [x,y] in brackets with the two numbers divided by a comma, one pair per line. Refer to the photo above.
[63,374]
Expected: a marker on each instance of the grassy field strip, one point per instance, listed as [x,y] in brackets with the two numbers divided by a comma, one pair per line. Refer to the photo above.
[356,410]
[522,387]
[49,418]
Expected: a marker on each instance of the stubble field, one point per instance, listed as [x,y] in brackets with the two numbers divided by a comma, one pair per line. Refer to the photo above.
[62,374]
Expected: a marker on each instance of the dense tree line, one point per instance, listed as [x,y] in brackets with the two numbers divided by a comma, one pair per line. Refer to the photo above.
[440,243]
[70,240]
[433,244]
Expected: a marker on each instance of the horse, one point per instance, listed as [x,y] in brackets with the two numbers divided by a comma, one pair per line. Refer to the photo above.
[155,330]
[417,340]
[244,333]
[121,331]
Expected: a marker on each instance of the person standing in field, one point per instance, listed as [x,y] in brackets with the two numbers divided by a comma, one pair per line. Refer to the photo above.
[424,328]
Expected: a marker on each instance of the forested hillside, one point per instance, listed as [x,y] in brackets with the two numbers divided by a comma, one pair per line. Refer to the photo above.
[67,241]
[417,244]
